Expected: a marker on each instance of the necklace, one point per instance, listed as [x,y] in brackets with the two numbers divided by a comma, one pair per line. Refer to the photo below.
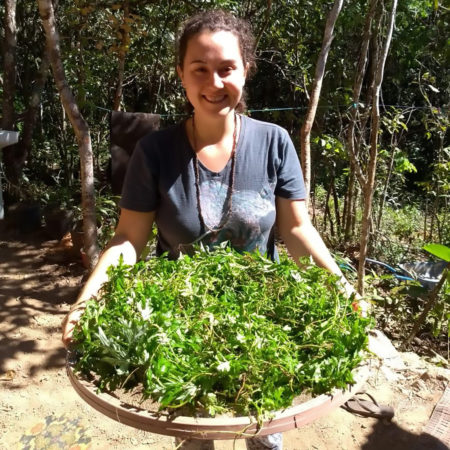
[229,197]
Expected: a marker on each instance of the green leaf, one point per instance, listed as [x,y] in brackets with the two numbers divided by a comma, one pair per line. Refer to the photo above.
[222,325]
[103,339]
[439,250]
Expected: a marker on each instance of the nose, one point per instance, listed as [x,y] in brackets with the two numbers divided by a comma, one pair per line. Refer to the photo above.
[217,81]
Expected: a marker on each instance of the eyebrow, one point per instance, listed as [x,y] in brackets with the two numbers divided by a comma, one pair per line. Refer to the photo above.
[201,61]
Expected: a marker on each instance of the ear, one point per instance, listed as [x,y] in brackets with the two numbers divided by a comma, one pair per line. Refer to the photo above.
[180,74]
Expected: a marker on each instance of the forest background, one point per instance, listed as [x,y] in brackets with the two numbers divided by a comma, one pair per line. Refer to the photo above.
[119,55]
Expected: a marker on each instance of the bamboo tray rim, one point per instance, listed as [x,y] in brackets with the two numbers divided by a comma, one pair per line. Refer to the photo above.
[219,427]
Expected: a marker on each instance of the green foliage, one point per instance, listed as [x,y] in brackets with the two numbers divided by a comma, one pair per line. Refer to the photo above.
[400,237]
[222,330]
[403,164]
[107,212]
[94,36]
[398,304]
[441,251]
[331,147]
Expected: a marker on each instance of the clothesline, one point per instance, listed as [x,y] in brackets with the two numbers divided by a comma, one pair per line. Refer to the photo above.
[304,108]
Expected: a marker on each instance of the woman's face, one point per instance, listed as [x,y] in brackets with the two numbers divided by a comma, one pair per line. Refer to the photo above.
[213,72]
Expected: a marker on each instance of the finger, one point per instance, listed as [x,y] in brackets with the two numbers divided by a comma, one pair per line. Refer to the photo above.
[364,307]
[361,306]
[67,338]
[68,325]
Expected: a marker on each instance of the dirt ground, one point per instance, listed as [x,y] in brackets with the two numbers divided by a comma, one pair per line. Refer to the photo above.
[39,409]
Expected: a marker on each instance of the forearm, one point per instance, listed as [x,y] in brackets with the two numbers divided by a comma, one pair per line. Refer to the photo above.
[129,240]
[304,240]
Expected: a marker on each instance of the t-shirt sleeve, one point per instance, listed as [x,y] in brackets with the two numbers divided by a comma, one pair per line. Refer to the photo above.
[140,187]
[290,182]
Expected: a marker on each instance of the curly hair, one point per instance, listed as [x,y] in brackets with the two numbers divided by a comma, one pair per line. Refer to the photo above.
[219,20]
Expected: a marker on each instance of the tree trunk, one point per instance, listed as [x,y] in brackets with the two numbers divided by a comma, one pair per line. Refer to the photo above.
[352,148]
[122,53]
[305,133]
[9,65]
[24,146]
[328,212]
[336,207]
[314,203]
[432,215]
[350,201]
[356,194]
[81,130]
[394,145]
[438,192]
[370,184]
[9,83]
[265,24]
[386,186]
[66,156]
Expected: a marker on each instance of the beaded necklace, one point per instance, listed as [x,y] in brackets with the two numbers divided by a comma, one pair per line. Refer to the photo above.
[229,197]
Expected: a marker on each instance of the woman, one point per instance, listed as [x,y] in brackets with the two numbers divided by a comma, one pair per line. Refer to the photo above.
[218,176]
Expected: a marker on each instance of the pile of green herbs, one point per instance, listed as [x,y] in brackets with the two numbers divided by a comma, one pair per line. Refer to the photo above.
[221,331]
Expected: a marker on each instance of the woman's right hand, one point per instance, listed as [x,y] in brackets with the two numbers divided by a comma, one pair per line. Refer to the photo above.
[129,239]
[70,321]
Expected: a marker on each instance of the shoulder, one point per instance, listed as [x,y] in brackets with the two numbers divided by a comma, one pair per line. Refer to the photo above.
[260,126]
[268,134]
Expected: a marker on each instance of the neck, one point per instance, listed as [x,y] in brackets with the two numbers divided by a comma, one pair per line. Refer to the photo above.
[214,131]
[214,149]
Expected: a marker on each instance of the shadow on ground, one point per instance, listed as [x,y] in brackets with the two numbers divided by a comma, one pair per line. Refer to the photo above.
[37,282]
[389,436]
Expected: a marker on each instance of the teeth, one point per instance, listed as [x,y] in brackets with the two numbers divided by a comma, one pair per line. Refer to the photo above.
[216,99]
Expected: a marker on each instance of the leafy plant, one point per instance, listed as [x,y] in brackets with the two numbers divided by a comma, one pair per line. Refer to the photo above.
[107,213]
[221,330]
[439,250]
[400,237]
[439,310]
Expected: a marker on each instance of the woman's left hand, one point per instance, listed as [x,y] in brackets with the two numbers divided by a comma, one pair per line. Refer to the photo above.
[360,305]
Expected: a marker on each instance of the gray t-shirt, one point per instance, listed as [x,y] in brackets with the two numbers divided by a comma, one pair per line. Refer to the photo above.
[161,178]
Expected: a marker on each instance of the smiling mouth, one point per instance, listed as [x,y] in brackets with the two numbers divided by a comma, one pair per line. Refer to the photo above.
[215,99]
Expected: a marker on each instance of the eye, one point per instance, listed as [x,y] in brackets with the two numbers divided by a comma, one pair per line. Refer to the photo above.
[226,70]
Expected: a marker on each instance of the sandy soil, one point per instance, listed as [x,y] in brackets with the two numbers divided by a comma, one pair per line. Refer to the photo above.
[39,409]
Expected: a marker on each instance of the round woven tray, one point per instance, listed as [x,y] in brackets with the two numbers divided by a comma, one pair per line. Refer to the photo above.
[214,428]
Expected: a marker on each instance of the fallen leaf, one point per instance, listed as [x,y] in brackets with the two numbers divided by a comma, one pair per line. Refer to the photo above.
[8,376]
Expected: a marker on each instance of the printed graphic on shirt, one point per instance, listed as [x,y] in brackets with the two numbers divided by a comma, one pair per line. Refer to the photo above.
[252,214]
